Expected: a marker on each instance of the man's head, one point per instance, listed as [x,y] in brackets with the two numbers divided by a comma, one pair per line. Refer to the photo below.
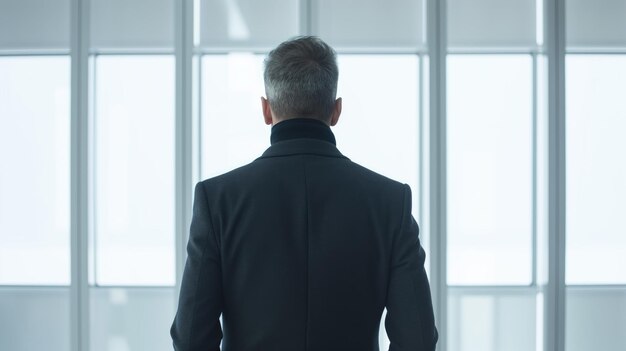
[301,81]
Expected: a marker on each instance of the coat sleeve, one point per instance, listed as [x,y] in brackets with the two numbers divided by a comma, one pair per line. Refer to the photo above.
[196,325]
[410,322]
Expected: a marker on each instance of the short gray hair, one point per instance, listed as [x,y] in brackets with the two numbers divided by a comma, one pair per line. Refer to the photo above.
[301,78]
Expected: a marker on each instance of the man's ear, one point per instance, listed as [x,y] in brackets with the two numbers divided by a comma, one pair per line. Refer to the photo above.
[267,111]
[334,117]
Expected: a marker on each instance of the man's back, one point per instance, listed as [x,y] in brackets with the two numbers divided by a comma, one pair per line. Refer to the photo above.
[302,249]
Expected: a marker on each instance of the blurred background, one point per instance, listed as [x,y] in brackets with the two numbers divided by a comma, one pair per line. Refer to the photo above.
[506,117]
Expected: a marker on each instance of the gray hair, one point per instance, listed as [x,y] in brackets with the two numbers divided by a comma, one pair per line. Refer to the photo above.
[301,78]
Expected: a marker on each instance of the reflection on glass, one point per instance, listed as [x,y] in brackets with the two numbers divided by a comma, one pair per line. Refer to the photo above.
[596,169]
[35,175]
[251,23]
[489,169]
[369,23]
[134,170]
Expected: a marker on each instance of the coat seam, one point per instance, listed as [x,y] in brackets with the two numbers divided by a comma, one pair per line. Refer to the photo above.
[308,246]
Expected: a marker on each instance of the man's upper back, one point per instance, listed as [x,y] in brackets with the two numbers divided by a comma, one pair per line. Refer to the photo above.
[311,247]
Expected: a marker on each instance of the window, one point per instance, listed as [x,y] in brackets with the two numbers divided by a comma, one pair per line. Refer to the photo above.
[133,176]
[596,169]
[595,72]
[131,24]
[35,171]
[133,192]
[499,153]
[495,24]
[596,246]
[367,24]
[34,25]
[35,176]
[235,24]
[490,192]
[494,179]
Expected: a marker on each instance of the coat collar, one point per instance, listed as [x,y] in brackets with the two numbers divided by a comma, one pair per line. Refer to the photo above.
[302,136]
[302,146]
[301,128]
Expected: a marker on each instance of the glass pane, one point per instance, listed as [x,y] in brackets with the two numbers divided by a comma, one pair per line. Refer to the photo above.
[131,319]
[35,24]
[132,24]
[35,176]
[492,321]
[35,318]
[595,319]
[598,23]
[247,23]
[490,169]
[489,23]
[233,130]
[134,170]
[370,23]
[377,121]
[596,169]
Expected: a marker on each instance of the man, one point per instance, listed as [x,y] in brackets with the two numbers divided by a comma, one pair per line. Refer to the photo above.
[302,249]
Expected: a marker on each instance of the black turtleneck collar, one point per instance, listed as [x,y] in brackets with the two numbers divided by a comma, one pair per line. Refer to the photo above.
[301,128]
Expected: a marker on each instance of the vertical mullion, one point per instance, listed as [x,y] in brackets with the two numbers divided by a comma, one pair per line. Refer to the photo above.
[420,131]
[305,13]
[437,39]
[93,194]
[535,82]
[555,297]
[196,16]
[79,288]
[183,189]
[197,116]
